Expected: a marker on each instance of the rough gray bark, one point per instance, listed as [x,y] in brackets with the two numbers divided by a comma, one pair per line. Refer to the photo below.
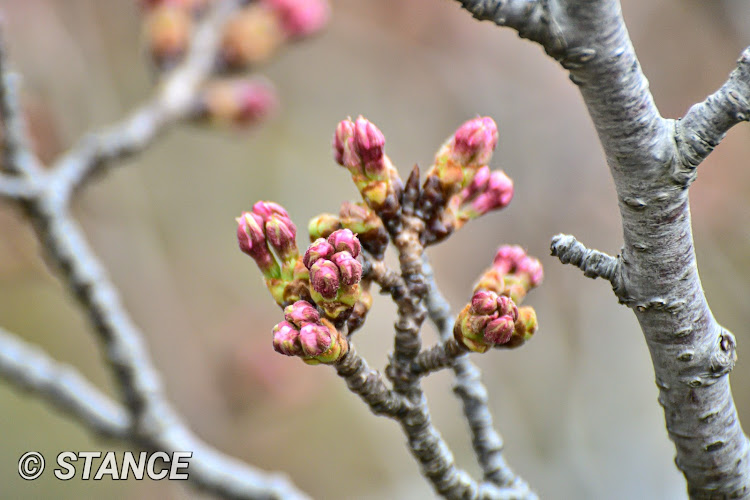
[652,160]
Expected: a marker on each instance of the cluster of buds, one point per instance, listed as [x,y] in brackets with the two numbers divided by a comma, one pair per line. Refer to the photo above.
[493,318]
[359,146]
[359,219]
[261,28]
[237,102]
[513,273]
[267,234]
[335,273]
[305,334]
[459,186]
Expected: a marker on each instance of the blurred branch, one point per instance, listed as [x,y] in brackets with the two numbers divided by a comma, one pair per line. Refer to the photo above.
[652,161]
[171,103]
[30,369]
[147,418]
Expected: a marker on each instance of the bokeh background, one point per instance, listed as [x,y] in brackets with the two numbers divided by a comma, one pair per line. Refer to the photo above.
[577,406]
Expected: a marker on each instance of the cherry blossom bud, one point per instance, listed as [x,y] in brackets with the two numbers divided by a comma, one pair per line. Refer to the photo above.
[300,18]
[506,307]
[475,141]
[344,240]
[315,339]
[300,313]
[322,226]
[499,331]
[484,302]
[525,327]
[239,102]
[252,241]
[369,142]
[319,249]
[363,221]
[532,268]
[167,30]
[286,339]
[508,257]
[281,234]
[349,268]
[343,145]
[268,208]
[497,194]
[324,278]
[251,37]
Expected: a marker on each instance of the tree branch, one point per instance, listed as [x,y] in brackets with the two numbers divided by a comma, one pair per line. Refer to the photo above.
[61,385]
[438,357]
[468,386]
[706,123]
[593,263]
[652,167]
[173,102]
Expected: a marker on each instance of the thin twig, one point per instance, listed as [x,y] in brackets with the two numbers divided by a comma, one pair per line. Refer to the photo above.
[438,357]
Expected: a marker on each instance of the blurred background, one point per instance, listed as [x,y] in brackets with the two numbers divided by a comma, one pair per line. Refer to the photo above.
[577,405]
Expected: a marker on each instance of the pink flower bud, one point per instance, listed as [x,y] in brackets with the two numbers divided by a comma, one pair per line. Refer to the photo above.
[349,268]
[369,142]
[322,226]
[475,141]
[508,257]
[343,143]
[497,194]
[315,339]
[300,18]
[286,339]
[499,330]
[281,234]
[478,184]
[324,278]
[319,249]
[266,209]
[253,242]
[484,302]
[344,240]
[301,313]
[532,268]
[506,307]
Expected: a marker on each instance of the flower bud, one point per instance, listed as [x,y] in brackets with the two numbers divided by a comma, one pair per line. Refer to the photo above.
[322,226]
[507,257]
[343,145]
[252,241]
[251,37]
[368,143]
[484,302]
[319,249]
[167,30]
[300,313]
[363,221]
[324,278]
[239,102]
[499,331]
[300,18]
[496,194]
[286,339]
[525,327]
[506,307]
[532,268]
[474,142]
[344,240]
[315,339]
[349,268]
[281,234]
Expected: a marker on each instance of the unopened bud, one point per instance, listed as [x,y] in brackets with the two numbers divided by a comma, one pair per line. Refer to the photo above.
[506,307]
[349,268]
[343,144]
[496,194]
[344,240]
[369,142]
[239,102]
[300,18]
[475,141]
[508,257]
[167,31]
[532,268]
[322,226]
[252,242]
[315,339]
[484,302]
[251,37]
[363,221]
[318,249]
[300,313]
[281,234]
[286,339]
[525,327]
[324,278]
[499,331]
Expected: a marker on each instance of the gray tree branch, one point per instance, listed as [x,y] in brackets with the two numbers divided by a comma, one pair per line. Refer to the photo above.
[652,161]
